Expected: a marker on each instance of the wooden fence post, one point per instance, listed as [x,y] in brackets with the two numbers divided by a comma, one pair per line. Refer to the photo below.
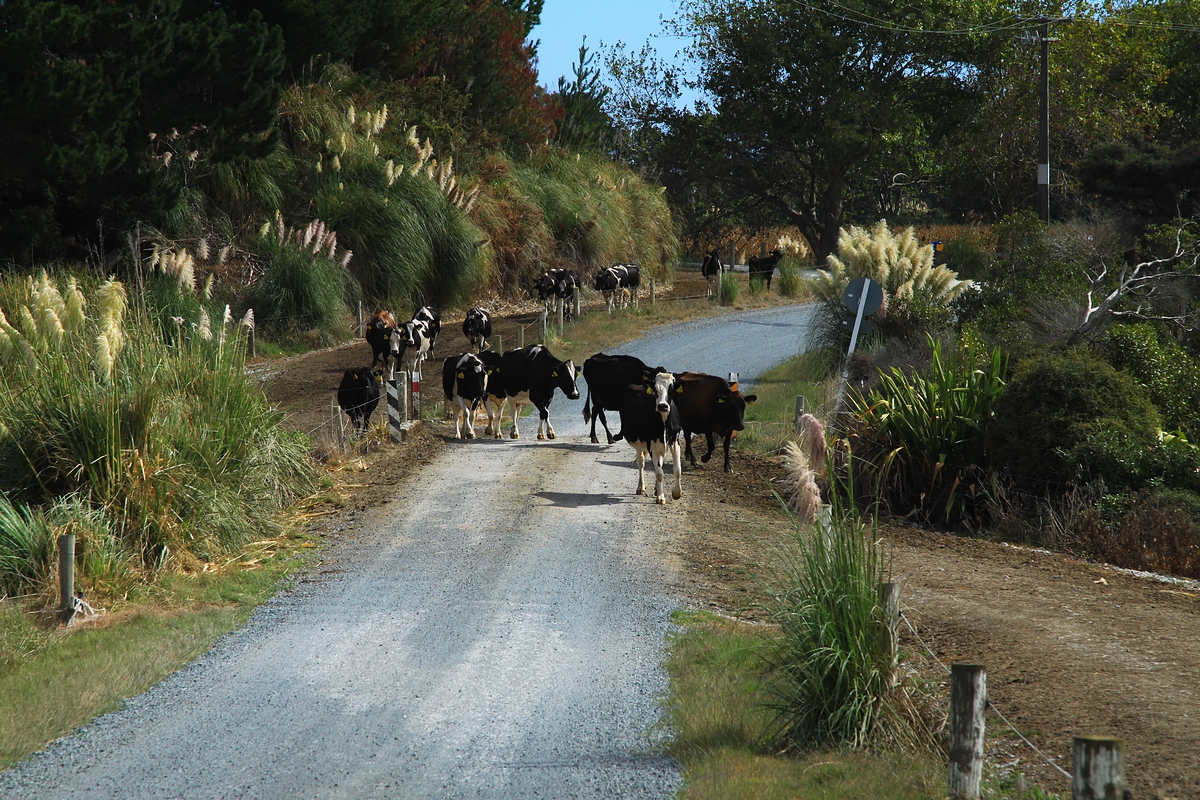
[542,325]
[762,249]
[968,698]
[499,345]
[652,291]
[360,320]
[1099,772]
[800,401]
[337,412]
[561,305]
[520,337]
[575,302]
[732,255]
[250,342]
[66,576]
[889,604]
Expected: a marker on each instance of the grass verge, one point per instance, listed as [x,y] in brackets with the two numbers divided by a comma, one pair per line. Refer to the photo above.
[769,420]
[52,681]
[718,712]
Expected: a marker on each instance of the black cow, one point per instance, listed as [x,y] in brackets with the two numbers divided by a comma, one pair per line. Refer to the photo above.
[358,395]
[618,283]
[433,324]
[378,334]
[711,269]
[477,327]
[464,382]
[650,422]
[708,404]
[764,268]
[496,396]
[531,375]
[607,376]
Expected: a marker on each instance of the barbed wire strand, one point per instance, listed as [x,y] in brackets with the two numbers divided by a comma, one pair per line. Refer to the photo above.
[990,704]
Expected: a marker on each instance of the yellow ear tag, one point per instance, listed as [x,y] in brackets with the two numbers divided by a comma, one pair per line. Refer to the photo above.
[678,390]
[720,399]
[462,375]
[649,390]
[554,374]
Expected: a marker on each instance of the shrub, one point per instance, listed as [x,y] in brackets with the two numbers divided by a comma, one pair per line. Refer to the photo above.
[1149,536]
[727,289]
[921,441]
[26,548]
[1057,400]
[757,287]
[789,281]
[173,445]
[1164,367]
[303,287]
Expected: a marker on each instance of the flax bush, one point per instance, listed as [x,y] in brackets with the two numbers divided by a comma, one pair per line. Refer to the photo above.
[921,440]
[167,448]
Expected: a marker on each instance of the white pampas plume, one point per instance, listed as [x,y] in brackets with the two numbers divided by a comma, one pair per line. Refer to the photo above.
[225,321]
[331,243]
[178,321]
[345,262]
[248,319]
[208,285]
[75,316]
[801,484]
[202,249]
[337,164]
[205,325]
[155,256]
[350,114]
[381,118]
[308,233]
[280,228]
[104,356]
[52,325]
[113,302]
[812,438]
[341,187]
[320,169]
[411,138]
[264,230]
[192,156]
[389,171]
[6,347]
[167,158]
[223,254]
[29,326]
[185,274]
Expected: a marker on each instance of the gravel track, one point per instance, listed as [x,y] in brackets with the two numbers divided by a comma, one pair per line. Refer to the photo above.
[496,630]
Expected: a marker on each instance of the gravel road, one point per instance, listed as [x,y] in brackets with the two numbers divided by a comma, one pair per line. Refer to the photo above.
[497,630]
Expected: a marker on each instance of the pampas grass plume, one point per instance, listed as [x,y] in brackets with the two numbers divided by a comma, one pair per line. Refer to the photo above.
[208,286]
[801,482]
[76,303]
[248,319]
[812,437]
[205,325]
[104,356]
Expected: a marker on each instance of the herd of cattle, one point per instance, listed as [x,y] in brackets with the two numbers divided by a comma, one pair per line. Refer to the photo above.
[655,406]
[762,269]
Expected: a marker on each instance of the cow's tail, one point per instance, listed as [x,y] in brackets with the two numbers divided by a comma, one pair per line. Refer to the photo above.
[587,417]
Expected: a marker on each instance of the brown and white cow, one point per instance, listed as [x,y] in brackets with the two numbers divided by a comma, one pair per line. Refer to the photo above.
[709,405]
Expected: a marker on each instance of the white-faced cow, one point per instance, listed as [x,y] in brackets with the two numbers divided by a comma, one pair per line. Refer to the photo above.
[531,375]
[433,324]
[378,334]
[618,283]
[607,376]
[358,395]
[464,381]
[413,344]
[764,268]
[650,422]
[711,269]
[477,327]
[496,396]
[709,405]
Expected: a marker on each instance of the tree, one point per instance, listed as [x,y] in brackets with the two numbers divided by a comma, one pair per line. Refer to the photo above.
[585,124]
[811,104]
[96,98]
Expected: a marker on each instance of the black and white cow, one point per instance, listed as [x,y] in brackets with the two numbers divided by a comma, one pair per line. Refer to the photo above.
[618,283]
[477,327]
[711,269]
[564,289]
[358,395]
[464,381]
[412,343]
[433,324]
[531,375]
[607,376]
[496,396]
[650,422]
[378,334]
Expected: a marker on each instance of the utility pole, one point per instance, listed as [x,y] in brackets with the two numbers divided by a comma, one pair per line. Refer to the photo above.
[1043,192]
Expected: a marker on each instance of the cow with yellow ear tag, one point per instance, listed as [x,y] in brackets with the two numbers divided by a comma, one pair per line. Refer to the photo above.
[650,422]
[464,382]
[531,375]
[709,405]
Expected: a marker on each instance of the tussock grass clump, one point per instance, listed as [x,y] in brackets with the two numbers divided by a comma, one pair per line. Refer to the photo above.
[151,452]
[727,289]
[832,680]
[789,281]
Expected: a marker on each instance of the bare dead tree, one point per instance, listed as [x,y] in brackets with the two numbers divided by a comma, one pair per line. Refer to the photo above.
[1139,283]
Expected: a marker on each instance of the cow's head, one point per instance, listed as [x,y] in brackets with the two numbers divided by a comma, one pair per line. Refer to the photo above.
[471,375]
[545,286]
[731,408]
[414,332]
[562,376]
[660,389]
[396,341]
[607,280]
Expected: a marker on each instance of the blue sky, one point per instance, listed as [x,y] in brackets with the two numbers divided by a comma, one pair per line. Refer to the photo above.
[565,22]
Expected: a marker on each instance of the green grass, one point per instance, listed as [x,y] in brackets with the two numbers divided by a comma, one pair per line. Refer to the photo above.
[769,419]
[717,709]
[52,681]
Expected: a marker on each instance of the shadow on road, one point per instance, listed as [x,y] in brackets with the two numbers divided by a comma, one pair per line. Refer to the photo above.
[577,499]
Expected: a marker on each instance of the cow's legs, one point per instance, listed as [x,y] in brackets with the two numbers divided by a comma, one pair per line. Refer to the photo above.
[691,454]
[495,419]
[515,433]
[544,423]
[708,437]
[604,422]
[640,458]
[728,439]
[678,493]
[656,454]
